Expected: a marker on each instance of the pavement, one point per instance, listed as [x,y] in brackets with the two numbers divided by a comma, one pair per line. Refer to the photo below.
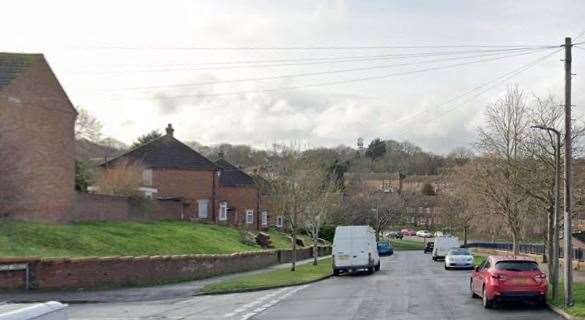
[162,292]
[409,286]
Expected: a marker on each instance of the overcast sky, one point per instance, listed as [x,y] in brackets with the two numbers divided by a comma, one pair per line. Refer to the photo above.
[138,65]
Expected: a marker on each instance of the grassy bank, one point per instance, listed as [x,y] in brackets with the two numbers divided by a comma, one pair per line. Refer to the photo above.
[400,245]
[278,277]
[18,238]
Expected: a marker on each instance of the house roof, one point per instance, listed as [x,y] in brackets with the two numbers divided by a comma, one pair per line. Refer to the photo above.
[231,176]
[13,64]
[165,152]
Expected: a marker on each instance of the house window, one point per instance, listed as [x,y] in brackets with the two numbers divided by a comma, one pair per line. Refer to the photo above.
[264,218]
[223,208]
[203,206]
[147,177]
[249,216]
[280,221]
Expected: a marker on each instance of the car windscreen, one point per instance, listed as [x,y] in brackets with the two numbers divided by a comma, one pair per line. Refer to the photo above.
[459,252]
[517,265]
[383,244]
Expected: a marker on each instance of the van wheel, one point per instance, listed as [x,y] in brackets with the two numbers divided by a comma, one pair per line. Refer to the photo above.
[377,267]
[336,272]
[370,270]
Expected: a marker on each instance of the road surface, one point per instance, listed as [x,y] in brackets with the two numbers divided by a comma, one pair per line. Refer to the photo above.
[409,286]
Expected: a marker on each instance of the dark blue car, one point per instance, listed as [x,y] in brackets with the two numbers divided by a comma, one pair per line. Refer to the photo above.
[385,248]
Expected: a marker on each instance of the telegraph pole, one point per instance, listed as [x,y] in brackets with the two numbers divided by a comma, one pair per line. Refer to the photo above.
[568,250]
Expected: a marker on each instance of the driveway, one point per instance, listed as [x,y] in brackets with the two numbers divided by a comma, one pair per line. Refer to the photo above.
[409,286]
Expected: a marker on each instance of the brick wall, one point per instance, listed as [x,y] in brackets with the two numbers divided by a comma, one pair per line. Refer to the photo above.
[192,185]
[92,207]
[37,171]
[92,272]
[239,199]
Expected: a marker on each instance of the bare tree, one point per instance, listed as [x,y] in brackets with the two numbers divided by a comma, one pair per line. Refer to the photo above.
[123,179]
[87,126]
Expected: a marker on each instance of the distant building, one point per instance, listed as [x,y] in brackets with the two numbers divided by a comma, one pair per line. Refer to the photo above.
[37,119]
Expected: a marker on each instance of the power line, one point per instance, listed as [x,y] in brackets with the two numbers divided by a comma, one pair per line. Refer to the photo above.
[322,84]
[486,85]
[309,48]
[325,72]
[299,62]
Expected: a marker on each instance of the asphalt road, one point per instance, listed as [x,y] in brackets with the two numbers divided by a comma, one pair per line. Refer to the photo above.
[409,286]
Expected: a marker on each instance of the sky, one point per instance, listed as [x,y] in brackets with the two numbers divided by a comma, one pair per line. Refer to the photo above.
[314,73]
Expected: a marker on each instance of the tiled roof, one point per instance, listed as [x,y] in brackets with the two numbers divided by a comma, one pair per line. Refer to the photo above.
[13,64]
[166,152]
[231,176]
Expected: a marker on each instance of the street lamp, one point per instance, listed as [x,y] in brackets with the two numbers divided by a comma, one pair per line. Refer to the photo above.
[554,273]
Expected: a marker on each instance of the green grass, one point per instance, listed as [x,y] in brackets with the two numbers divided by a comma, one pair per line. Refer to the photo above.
[278,277]
[19,238]
[400,245]
[578,309]
[477,260]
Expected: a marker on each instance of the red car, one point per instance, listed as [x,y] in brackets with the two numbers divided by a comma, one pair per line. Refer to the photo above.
[408,232]
[508,278]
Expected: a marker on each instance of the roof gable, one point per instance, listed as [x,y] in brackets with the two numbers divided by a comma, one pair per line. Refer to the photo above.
[165,152]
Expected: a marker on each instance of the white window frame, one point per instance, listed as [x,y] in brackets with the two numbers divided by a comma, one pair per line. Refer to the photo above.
[147,177]
[223,208]
[280,221]
[249,216]
[264,218]
[200,214]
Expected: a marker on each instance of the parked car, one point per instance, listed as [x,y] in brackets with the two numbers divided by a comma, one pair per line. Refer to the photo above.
[424,234]
[429,247]
[459,258]
[443,245]
[355,248]
[501,278]
[394,235]
[408,232]
[385,248]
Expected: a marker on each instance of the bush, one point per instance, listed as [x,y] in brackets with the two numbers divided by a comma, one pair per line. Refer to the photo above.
[327,232]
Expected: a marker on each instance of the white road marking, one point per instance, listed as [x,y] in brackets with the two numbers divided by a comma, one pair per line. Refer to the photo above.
[245,307]
[271,303]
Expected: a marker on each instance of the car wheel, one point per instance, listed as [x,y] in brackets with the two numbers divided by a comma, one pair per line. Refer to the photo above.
[487,303]
[473,294]
[336,272]
[446,268]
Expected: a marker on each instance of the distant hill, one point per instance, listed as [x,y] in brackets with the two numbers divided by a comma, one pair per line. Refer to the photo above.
[86,150]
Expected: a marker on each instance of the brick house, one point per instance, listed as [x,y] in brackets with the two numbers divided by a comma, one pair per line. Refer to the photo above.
[174,170]
[37,119]
[240,200]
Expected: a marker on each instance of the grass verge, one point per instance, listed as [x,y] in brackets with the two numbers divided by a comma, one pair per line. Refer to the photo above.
[578,309]
[275,278]
[109,238]
[400,245]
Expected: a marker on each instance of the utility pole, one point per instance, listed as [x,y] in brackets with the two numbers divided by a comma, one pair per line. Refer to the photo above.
[568,250]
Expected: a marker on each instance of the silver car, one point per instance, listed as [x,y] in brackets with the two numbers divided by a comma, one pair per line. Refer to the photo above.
[459,258]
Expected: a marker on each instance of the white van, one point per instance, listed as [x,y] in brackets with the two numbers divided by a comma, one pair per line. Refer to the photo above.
[442,245]
[354,248]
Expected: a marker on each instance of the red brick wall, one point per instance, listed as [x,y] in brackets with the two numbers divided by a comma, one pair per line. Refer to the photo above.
[92,273]
[240,199]
[37,170]
[191,184]
[92,207]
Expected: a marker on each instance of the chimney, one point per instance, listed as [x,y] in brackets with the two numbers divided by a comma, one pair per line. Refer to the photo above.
[170,130]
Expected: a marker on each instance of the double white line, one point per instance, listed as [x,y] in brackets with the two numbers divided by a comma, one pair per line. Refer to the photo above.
[247,311]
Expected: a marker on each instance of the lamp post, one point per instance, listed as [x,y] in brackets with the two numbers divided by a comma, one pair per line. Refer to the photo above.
[554,273]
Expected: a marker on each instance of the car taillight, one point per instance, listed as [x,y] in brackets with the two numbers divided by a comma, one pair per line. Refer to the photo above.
[541,277]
